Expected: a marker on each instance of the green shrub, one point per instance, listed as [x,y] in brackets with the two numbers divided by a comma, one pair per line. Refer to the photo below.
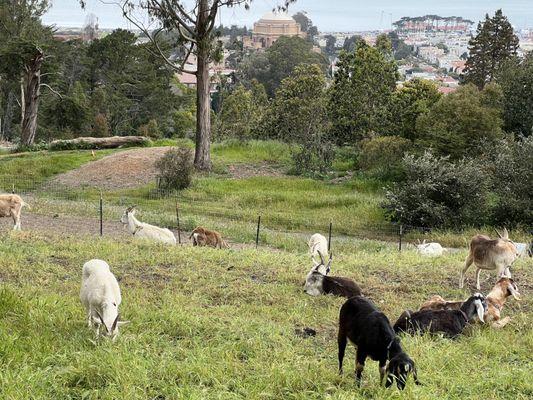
[150,129]
[100,126]
[512,173]
[381,157]
[175,169]
[439,193]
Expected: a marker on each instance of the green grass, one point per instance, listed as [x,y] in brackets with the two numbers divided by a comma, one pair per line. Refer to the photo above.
[210,324]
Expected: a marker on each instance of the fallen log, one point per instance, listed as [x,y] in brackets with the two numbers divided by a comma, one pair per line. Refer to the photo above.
[99,143]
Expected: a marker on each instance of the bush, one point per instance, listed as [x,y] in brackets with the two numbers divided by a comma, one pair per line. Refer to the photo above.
[151,130]
[175,169]
[439,193]
[512,174]
[184,123]
[381,157]
[100,126]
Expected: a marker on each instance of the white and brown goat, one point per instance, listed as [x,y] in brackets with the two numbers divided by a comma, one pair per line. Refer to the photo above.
[11,206]
[490,254]
[317,283]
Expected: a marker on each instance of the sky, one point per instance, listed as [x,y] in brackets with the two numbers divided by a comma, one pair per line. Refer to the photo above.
[332,15]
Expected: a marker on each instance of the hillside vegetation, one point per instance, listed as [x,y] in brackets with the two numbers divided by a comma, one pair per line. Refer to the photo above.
[210,324]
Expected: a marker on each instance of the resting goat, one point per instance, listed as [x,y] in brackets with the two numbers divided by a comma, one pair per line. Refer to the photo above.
[449,322]
[143,230]
[496,299]
[317,283]
[489,254]
[204,237]
[432,249]
[11,206]
[318,244]
[369,329]
[100,295]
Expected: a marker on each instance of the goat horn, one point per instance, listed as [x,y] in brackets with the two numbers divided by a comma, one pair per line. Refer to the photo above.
[113,327]
[321,257]
[101,320]
[498,233]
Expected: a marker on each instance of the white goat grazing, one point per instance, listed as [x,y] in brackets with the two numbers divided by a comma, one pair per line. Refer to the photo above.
[318,244]
[146,231]
[11,206]
[100,295]
[432,249]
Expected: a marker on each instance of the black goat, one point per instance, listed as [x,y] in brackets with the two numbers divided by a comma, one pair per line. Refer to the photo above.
[370,330]
[317,283]
[449,322]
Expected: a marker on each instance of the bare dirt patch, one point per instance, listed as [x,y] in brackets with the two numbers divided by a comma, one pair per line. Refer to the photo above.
[123,170]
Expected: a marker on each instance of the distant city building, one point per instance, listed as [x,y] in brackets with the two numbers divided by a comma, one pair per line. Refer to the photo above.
[433,23]
[270,28]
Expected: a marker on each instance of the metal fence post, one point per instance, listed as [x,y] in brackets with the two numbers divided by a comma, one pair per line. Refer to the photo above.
[400,237]
[329,237]
[178,219]
[101,215]
[257,233]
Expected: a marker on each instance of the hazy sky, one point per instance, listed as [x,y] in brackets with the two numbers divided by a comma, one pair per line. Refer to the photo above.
[332,15]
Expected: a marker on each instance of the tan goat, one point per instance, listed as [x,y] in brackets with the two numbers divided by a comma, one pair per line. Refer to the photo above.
[10,206]
[204,237]
[490,254]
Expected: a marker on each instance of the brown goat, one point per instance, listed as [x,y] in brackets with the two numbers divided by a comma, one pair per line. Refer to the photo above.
[11,206]
[489,254]
[204,237]
[504,288]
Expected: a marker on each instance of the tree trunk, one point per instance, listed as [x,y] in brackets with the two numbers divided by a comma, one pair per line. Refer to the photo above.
[32,91]
[202,155]
[7,133]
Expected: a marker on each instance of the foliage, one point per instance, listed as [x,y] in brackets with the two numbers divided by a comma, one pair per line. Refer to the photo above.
[279,60]
[461,123]
[494,43]
[516,79]
[438,193]
[175,169]
[298,115]
[511,166]
[350,43]
[306,25]
[240,115]
[381,156]
[184,123]
[400,49]
[384,44]
[413,99]
[150,129]
[361,94]
[100,126]
[331,41]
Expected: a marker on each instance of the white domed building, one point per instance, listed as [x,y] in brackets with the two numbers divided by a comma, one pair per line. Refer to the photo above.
[271,27]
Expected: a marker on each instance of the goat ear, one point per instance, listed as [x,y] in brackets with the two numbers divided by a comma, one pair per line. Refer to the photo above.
[505,233]
[513,291]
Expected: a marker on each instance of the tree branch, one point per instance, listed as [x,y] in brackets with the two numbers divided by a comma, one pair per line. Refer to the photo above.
[52,90]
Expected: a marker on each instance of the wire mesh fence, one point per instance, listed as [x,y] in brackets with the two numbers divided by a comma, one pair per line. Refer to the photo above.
[61,210]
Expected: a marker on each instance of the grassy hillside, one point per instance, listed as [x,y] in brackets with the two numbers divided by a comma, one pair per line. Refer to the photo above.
[212,324]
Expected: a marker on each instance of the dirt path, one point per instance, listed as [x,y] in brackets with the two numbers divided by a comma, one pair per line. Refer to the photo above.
[122,170]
